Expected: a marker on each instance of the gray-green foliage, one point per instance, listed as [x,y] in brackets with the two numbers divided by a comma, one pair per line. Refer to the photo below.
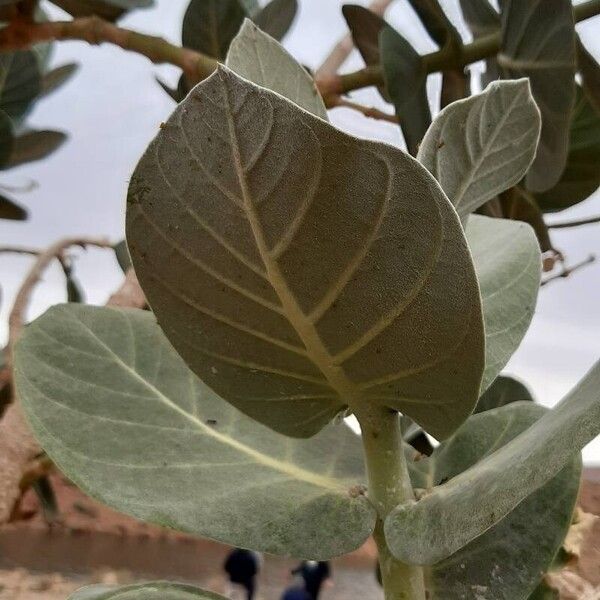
[259,58]
[126,420]
[507,561]
[480,497]
[481,146]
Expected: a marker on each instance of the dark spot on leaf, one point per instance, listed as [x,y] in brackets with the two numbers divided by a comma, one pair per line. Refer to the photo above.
[211,422]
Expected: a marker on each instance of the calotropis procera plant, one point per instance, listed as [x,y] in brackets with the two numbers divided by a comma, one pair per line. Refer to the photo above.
[296,275]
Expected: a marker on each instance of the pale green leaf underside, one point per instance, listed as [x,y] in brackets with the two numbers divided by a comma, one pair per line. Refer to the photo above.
[481,146]
[121,414]
[475,500]
[507,561]
[539,43]
[299,270]
[259,58]
[508,263]
[161,590]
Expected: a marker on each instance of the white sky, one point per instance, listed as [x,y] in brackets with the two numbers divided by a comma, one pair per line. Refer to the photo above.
[112,109]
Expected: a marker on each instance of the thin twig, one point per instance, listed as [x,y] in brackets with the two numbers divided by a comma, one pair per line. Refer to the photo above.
[570,270]
[576,223]
[368,111]
[16,318]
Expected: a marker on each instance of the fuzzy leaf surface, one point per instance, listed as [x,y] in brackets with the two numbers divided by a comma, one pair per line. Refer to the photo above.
[289,263]
[474,501]
[481,146]
[259,58]
[116,407]
[508,560]
[508,263]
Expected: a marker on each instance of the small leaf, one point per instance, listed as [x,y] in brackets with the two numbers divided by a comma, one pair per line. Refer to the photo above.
[229,225]
[538,42]
[160,590]
[20,82]
[277,17]
[508,265]
[11,210]
[74,291]
[481,146]
[508,560]
[581,177]
[469,504]
[118,410]
[263,61]
[505,390]
[365,27]
[56,78]
[405,80]
[35,145]
[209,26]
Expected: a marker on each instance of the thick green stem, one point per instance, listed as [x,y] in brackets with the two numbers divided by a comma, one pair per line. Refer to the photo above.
[389,485]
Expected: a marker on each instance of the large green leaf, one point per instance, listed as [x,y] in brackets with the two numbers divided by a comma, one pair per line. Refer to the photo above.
[505,390]
[277,17]
[481,146]
[20,82]
[508,264]
[508,560]
[210,25]
[539,43]
[406,83]
[581,176]
[300,271]
[160,590]
[472,502]
[263,61]
[118,410]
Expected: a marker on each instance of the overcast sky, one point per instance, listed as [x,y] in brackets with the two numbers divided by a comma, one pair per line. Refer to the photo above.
[113,108]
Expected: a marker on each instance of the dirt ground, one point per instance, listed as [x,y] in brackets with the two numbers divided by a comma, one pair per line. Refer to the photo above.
[93,544]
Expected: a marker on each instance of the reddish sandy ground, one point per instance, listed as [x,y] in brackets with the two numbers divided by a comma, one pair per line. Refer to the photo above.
[94,544]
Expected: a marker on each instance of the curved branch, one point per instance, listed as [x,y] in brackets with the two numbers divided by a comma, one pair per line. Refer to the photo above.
[16,318]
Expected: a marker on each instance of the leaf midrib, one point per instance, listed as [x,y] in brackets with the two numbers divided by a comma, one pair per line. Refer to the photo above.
[286,468]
